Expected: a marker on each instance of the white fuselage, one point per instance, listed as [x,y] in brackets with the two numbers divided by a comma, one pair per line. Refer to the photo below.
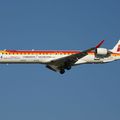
[45,57]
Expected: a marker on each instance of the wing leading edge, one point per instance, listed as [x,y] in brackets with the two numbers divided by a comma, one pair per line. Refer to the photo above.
[67,62]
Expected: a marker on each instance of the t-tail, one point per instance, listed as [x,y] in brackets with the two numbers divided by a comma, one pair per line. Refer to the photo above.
[116,49]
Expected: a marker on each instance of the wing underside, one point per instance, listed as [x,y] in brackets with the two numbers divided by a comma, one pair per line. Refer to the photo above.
[67,62]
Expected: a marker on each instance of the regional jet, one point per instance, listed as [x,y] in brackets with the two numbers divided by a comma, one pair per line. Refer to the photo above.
[61,60]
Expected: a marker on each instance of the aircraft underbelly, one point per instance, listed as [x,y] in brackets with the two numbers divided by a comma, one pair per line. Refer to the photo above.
[26,59]
[92,59]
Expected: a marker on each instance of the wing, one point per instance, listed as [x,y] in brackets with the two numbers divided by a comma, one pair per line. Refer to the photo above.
[68,61]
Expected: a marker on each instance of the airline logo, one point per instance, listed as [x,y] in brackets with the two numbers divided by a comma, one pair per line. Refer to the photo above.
[118,50]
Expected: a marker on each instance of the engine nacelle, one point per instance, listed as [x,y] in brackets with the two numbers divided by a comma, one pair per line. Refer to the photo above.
[101,52]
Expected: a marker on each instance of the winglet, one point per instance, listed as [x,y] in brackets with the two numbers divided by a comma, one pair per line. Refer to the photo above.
[100,44]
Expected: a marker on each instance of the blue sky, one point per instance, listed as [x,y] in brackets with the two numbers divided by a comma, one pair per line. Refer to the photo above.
[32,91]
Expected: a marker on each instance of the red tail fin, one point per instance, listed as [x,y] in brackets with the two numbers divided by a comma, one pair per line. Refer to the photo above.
[116,48]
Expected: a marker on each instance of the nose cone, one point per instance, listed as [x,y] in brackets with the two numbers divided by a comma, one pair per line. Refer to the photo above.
[0,54]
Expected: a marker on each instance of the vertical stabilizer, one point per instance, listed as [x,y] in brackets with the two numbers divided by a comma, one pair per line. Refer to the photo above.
[116,49]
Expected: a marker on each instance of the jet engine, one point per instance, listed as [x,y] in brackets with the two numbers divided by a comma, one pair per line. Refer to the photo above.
[101,52]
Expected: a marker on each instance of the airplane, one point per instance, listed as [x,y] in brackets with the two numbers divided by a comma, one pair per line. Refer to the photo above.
[59,61]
